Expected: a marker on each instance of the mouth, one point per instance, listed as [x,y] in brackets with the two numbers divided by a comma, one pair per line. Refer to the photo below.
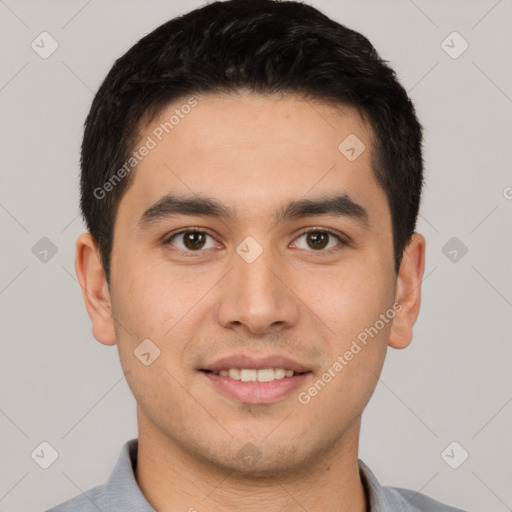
[255,375]
[256,381]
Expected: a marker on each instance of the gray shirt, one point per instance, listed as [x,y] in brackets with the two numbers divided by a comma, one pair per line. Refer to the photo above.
[122,494]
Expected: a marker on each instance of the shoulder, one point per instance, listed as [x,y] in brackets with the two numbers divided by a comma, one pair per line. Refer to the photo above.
[90,501]
[414,501]
[119,493]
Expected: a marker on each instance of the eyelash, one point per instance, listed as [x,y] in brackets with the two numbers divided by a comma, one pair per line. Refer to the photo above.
[339,246]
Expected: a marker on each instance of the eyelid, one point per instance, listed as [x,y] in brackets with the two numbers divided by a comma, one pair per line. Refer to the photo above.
[314,229]
[185,230]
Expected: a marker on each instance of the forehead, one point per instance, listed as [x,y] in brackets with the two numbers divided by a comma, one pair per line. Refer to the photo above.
[254,150]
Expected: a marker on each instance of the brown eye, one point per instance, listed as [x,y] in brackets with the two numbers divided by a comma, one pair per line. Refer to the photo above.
[194,240]
[191,241]
[318,240]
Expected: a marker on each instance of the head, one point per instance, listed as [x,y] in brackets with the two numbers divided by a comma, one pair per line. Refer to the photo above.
[251,179]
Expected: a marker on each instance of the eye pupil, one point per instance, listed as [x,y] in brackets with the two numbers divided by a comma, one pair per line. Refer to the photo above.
[317,240]
[194,240]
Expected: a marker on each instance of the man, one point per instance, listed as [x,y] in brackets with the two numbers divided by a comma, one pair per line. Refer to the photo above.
[251,178]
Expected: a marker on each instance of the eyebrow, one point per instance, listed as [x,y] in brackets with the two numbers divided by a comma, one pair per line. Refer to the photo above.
[171,205]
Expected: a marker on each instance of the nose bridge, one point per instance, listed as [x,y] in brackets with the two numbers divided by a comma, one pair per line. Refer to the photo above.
[258,278]
[255,296]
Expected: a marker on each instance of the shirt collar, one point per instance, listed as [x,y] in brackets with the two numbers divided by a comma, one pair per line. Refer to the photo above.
[121,490]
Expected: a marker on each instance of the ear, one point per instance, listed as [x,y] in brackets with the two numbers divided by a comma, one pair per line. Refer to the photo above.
[95,292]
[408,292]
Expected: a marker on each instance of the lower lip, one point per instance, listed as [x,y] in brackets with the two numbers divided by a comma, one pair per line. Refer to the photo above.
[257,392]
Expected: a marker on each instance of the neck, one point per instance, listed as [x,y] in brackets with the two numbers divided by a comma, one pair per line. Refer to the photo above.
[173,479]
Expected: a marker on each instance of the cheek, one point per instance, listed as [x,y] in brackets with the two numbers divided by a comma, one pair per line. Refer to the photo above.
[151,297]
[153,303]
[151,307]
[350,301]
[354,356]
[147,308]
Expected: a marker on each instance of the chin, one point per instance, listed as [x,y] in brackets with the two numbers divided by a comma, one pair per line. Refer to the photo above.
[255,463]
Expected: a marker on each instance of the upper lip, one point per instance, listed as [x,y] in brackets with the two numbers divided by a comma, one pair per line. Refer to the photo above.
[256,363]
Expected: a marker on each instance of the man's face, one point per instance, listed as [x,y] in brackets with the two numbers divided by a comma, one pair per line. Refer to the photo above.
[269,285]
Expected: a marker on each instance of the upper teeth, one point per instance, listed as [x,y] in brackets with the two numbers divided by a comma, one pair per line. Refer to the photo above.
[252,375]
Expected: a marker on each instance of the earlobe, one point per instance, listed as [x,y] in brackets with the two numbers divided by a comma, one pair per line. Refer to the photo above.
[95,292]
[408,292]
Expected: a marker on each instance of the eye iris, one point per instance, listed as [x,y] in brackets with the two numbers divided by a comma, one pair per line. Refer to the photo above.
[317,240]
[194,240]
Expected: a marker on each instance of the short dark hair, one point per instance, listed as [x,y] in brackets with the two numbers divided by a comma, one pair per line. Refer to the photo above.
[266,46]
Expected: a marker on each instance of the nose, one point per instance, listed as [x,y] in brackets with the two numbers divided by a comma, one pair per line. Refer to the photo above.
[257,296]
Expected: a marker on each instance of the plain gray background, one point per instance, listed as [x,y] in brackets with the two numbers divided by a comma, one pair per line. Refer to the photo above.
[452,384]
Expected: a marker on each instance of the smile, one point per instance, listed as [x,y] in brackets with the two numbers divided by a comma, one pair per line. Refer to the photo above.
[254,375]
[256,386]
